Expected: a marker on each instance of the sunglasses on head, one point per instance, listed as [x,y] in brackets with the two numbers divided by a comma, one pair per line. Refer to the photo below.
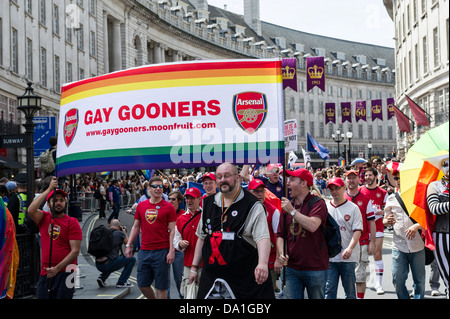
[157,186]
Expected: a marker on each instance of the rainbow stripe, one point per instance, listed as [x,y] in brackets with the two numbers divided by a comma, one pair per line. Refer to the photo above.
[176,75]
[161,157]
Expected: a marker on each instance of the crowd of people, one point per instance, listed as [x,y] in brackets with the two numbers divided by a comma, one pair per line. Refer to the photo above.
[236,231]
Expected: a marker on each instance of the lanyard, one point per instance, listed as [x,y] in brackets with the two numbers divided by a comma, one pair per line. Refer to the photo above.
[224,212]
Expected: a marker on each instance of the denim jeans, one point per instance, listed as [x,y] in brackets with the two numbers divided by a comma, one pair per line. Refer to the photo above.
[299,280]
[112,265]
[401,262]
[345,270]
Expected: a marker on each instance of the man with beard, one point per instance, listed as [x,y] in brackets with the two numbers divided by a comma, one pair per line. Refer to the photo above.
[62,250]
[367,239]
[378,197]
[234,242]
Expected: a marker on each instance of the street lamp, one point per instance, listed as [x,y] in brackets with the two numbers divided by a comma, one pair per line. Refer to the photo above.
[369,146]
[29,104]
[338,138]
[349,136]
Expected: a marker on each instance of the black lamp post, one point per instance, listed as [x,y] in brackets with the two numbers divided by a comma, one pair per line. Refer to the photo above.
[349,136]
[29,104]
[338,138]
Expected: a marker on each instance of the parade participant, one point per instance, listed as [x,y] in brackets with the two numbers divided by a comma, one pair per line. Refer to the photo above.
[185,238]
[306,259]
[62,249]
[349,219]
[368,235]
[155,219]
[234,242]
[17,204]
[114,198]
[209,185]
[438,205]
[176,198]
[258,188]
[407,246]
[378,197]
[272,181]
[113,262]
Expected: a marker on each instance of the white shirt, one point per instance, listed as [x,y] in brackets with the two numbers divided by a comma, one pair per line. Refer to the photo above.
[348,217]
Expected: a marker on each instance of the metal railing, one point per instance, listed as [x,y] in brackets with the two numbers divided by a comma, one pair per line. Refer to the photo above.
[90,204]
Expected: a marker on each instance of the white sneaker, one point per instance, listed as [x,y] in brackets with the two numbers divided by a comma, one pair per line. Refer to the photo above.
[125,285]
[435,292]
[380,291]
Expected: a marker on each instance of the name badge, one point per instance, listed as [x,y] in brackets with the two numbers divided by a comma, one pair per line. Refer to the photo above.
[228,236]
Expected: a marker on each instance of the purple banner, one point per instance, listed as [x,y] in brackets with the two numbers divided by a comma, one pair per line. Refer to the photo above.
[289,73]
[377,110]
[390,107]
[315,73]
[330,113]
[346,110]
[360,111]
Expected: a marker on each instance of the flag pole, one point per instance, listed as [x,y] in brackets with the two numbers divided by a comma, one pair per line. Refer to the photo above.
[283,283]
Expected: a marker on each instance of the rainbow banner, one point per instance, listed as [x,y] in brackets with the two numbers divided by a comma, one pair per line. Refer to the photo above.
[177,115]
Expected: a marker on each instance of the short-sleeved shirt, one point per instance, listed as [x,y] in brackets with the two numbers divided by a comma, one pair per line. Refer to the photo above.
[367,213]
[155,219]
[307,251]
[65,229]
[349,219]
[379,197]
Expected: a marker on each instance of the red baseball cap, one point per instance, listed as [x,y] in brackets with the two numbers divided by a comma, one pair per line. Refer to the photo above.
[209,175]
[272,167]
[352,171]
[304,174]
[194,192]
[255,183]
[336,181]
[58,191]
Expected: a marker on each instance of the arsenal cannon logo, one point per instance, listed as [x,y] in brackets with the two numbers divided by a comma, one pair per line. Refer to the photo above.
[250,110]
[70,126]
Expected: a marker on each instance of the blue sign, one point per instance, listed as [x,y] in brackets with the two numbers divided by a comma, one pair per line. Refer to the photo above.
[45,127]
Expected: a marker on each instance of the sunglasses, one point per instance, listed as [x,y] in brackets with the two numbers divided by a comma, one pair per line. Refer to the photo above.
[157,186]
[396,178]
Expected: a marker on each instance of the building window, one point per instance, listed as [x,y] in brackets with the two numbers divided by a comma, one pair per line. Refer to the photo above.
[55,19]
[302,128]
[1,41]
[92,7]
[380,132]
[92,43]
[311,106]
[321,130]
[370,131]
[360,131]
[42,13]
[43,70]
[68,31]
[425,54]
[390,133]
[80,38]
[29,6]
[14,51]
[416,53]
[69,74]
[349,92]
[312,131]
[302,105]
[436,47]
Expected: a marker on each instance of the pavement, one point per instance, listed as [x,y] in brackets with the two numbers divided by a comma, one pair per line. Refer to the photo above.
[86,286]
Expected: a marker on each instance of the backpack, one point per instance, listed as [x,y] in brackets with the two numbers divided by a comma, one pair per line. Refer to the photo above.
[331,232]
[100,242]
[47,164]
[97,193]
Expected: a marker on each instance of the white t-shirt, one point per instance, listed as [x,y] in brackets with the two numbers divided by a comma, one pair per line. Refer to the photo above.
[349,219]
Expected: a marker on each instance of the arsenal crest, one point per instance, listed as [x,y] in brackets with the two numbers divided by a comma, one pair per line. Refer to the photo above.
[70,126]
[56,231]
[151,215]
[250,110]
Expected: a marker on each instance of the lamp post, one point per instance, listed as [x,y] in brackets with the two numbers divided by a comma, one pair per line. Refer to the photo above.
[349,136]
[338,138]
[29,104]
[369,146]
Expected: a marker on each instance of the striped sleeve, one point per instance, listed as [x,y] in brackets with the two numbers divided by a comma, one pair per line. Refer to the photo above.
[437,207]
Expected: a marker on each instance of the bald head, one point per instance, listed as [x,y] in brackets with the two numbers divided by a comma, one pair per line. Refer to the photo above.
[115,223]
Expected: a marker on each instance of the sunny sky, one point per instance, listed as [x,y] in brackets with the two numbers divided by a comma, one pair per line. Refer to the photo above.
[364,21]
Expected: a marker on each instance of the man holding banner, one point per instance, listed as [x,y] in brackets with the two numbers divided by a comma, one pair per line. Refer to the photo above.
[234,243]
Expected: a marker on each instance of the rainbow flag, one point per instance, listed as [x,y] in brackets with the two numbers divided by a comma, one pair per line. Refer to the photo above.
[177,115]
[341,162]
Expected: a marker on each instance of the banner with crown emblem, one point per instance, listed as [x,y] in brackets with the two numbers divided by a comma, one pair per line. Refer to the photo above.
[315,73]
[330,113]
[360,111]
[377,110]
[289,73]
[390,107]
[346,110]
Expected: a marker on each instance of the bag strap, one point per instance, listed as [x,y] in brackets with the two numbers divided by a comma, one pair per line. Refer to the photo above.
[192,218]
[402,205]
